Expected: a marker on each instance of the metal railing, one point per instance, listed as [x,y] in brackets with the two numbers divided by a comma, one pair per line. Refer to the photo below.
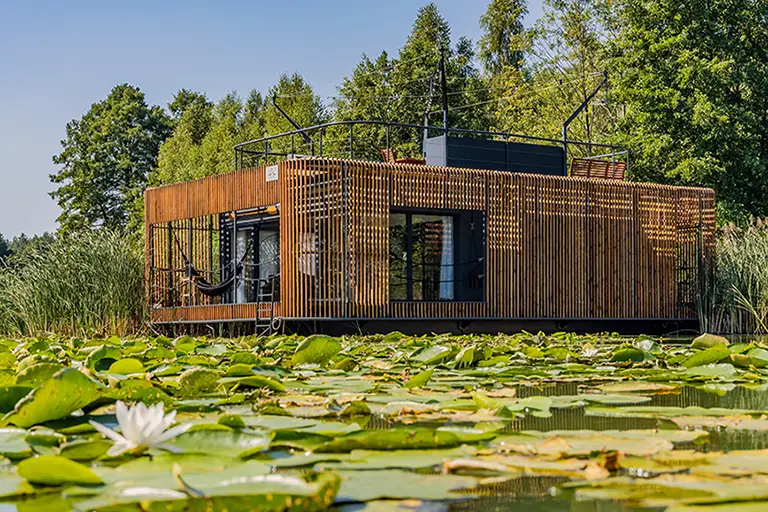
[365,140]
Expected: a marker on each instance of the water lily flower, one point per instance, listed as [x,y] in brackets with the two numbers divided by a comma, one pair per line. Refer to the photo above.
[142,427]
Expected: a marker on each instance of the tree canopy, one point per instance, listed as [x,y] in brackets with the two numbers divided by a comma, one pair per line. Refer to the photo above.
[106,158]
[694,79]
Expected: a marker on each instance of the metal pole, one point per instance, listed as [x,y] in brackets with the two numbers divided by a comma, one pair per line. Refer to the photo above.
[565,150]
[233,263]
[568,121]
[350,141]
[444,86]
[190,243]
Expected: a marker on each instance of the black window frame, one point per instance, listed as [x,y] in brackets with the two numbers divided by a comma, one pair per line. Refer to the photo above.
[456,216]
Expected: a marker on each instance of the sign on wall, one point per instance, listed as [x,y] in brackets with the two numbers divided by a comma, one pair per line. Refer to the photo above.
[271,173]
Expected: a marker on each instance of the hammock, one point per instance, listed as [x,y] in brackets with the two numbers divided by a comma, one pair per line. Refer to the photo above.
[206,287]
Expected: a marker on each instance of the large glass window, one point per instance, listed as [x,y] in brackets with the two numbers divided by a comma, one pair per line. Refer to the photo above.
[422,257]
[426,262]
[257,246]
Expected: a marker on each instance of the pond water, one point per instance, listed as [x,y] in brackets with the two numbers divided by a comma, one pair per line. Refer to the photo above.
[524,422]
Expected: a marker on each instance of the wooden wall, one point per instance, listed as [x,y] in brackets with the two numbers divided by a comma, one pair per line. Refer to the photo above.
[560,248]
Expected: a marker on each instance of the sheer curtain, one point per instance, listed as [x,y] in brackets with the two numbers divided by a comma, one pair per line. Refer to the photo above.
[446,260]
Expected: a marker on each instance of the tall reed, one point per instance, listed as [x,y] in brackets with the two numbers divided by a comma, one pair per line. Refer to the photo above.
[83,283]
[737,301]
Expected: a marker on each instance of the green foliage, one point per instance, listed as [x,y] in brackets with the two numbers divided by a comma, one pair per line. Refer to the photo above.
[406,89]
[79,283]
[21,246]
[694,79]
[737,298]
[204,133]
[327,437]
[5,249]
[107,155]
[502,45]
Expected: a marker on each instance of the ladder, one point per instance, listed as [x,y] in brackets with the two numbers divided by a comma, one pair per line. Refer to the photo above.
[266,321]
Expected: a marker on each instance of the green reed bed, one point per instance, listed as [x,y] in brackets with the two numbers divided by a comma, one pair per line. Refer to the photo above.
[737,301]
[86,282]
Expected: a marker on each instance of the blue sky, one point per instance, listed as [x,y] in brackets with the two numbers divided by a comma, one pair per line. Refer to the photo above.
[57,58]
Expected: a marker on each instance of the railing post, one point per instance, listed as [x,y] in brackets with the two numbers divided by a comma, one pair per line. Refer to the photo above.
[350,140]
[233,263]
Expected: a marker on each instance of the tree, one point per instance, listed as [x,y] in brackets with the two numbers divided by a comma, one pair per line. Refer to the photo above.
[297,98]
[565,60]
[406,89]
[503,42]
[106,158]
[5,250]
[205,133]
[22,246]
[694,77]
[195,110]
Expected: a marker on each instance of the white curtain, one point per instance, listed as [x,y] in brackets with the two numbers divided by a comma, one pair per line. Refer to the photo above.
[446,260]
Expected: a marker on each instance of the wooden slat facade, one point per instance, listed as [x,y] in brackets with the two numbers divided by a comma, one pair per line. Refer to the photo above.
[556,248]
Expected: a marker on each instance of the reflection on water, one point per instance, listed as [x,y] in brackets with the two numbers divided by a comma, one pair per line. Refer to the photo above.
[533,494]
[739,397]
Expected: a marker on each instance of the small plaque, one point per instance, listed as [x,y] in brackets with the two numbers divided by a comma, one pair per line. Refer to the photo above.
[271,173]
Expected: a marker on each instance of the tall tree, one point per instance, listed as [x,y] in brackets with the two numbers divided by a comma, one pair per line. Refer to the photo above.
[503,42]
[694,77]
[106,158]
[204,133]
[564,63]
[407,89]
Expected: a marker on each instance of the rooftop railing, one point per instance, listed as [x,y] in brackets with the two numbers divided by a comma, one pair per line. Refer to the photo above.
[369,140]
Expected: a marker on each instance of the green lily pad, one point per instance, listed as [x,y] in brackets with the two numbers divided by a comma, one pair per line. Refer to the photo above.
[395,439]
[13,443]
[33,376]
[53,470]
[419,380]
[85,450]
[126,366]
[223,442]
[706,341]
[66,392]
[10,396]
[708,356]
[394,484]
[316,349]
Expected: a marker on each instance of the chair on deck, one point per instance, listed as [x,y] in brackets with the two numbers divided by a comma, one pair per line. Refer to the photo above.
[389,156]
[597,169]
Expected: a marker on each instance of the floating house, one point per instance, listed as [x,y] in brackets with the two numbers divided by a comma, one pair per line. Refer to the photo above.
[326,227]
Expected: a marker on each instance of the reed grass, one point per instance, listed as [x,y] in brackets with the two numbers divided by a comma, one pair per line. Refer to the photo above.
[80,284]
[737,298]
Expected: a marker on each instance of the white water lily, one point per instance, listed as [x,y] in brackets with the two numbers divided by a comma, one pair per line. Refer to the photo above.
[142,427]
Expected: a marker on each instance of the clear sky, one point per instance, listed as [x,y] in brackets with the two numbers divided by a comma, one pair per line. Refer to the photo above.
[57,58]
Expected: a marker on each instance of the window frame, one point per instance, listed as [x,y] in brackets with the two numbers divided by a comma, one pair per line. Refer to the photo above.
[455,216]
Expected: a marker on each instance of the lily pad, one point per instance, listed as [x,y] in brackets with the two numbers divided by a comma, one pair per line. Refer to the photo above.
[223,442]
[66,392]
[53,470]
[317,349]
